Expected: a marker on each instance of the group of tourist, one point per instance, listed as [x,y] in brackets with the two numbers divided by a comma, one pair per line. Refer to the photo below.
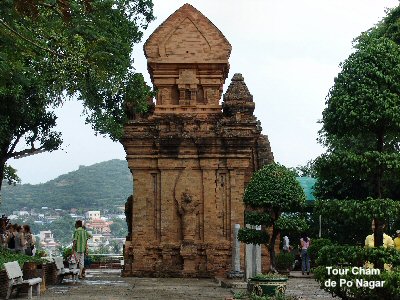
[18,238]
[305,242]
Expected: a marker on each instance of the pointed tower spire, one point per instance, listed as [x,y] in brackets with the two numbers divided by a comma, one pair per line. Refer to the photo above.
[237,98]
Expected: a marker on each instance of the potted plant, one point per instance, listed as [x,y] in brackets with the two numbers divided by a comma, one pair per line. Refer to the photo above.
[267,284]
[69,258]
[284,262]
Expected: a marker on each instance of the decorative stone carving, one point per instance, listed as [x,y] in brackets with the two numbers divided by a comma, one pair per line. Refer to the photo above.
[188,209]
[165,96]
[211,95]
[187,77]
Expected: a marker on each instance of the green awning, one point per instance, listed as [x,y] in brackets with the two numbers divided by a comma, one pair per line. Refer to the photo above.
[307,183]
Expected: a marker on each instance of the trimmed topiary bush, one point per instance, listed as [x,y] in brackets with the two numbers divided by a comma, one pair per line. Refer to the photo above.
[272,197]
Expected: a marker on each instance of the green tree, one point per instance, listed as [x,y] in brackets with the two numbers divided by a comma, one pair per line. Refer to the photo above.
[119,228]
[272,197]
[307,170]
[24,119]
[361,123]
[62,229]
[54,50]
[115,247]
[10,175]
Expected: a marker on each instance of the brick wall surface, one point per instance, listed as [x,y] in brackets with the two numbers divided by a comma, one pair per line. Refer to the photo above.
[3,284]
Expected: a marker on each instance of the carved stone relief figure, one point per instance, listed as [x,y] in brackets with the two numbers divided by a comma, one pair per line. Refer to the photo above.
[188,209]
[165,96]
[187,85]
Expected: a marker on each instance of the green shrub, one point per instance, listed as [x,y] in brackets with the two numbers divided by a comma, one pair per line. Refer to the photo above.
[66,252]
[390,288]
[315,247]
[357,256]
[40,253]
[284,261]
[8,256]
[350,282]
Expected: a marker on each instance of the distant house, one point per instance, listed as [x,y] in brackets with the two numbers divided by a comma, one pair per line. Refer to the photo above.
[21,213]
[13,217]
[99,226]
[50,219]
[47,240]
[92,215]
[97,240]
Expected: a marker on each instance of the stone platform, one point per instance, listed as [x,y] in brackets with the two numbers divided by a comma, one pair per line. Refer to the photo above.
[108,284]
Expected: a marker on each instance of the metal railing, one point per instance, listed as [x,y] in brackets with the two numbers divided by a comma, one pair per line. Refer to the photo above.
[106,260]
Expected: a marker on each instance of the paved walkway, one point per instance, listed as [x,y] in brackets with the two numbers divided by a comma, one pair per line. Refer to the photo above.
[107,284]
[305,287]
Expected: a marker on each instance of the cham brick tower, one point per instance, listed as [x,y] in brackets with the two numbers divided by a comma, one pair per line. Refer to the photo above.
[190,156]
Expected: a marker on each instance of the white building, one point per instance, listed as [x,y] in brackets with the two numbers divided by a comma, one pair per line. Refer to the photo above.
[96,241]
[21,213]
[92,215]
[47,240]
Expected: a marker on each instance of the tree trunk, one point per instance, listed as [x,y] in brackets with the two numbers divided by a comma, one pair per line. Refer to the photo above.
[378,240]
[2,167]
[378,229]
[271,247]
[379,171]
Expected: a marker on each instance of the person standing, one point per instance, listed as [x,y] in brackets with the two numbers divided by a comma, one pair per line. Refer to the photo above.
[286,245]
[79,245]
[10,237]
[20,242]
[370,240]
[396,241]
[370,243]
[86,260]
[305,242]
[30,240]
[3,232]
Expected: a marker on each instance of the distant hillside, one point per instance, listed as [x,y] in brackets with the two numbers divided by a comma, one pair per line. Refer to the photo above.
[102,185]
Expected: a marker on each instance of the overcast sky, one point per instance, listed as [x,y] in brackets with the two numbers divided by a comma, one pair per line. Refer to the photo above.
[288,52]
